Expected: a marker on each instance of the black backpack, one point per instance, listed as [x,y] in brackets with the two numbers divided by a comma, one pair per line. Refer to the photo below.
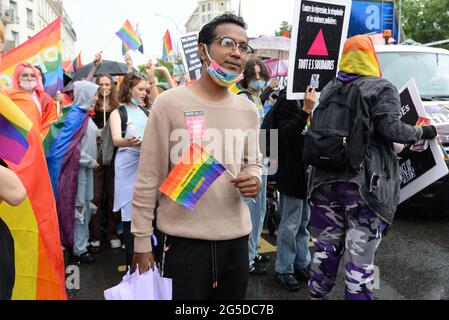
[108,149]
[340,129]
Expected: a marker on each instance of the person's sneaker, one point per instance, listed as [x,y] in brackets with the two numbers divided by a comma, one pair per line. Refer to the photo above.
[95,244]
[116,244]
[93,249]
[287,281]
[257,270]
[303,275]
[85,258]
[261,258]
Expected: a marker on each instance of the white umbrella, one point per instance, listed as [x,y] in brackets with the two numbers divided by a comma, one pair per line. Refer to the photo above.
[271,47]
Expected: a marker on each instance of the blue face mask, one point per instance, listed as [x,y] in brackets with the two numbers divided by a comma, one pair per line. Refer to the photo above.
[135,102]
[258,85]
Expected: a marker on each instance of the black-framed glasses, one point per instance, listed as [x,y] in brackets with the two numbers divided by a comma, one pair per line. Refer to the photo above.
[230,44]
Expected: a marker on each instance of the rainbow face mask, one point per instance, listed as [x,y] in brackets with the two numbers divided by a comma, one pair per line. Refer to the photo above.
[221,76]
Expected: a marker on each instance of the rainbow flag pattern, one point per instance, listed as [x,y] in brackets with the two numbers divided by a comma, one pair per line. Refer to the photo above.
[14,129]
[43,50]
[422,122]
[38,260]
[129,36]
[167,46]
[192,177]
[360,58]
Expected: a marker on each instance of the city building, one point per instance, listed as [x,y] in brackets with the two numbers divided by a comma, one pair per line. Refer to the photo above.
[205,12]
[25,18]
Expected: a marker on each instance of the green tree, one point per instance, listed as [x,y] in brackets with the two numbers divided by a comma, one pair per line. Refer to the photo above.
[285,27]
[426,20]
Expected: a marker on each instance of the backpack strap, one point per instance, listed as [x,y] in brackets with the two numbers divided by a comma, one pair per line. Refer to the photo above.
[247,94]
[124,119]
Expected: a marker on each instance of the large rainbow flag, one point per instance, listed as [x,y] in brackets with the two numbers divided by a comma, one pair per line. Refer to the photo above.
[192,177]
[129,36]
[167,45]
[39,263]
[43,50]
[63,153]
[14,129]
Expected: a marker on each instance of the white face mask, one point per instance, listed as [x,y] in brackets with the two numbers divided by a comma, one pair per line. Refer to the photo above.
[28,85]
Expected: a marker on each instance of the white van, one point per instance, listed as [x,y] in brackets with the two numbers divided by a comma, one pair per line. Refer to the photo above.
[430,69]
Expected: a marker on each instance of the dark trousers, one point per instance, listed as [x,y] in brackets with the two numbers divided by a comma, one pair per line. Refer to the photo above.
[104,200]
[7,263]
[206,270]
[128,240]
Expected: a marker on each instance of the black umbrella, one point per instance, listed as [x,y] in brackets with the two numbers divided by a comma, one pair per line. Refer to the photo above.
[112,68]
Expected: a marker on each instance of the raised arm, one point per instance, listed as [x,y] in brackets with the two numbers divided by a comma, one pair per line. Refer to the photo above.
[97,64]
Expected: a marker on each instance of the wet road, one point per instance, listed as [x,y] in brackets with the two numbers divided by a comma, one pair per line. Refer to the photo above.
[413,261]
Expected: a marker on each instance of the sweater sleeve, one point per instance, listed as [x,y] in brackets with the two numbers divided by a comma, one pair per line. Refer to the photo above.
[153,168]
[252,161]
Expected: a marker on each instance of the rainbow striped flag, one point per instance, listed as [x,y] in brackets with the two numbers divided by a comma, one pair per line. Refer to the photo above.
[38,261]
[125,48]
[14,129]
[167,46]
[359,57]
[62,151]
[129,36]
[43,50]
[190,179]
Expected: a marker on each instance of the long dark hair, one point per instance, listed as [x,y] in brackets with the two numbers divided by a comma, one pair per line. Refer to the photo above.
[113,98]
[250,74]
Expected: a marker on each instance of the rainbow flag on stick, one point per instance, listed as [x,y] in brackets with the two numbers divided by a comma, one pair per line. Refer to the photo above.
[43,50]
[168,47]
[190,179]
[129,36]
[14,129]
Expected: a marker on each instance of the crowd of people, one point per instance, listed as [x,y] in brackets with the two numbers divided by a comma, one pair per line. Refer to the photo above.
[127,150]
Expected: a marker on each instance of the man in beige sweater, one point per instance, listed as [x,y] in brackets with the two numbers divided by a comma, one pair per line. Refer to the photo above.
[205,250]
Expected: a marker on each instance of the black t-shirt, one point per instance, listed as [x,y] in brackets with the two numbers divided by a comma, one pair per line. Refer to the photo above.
[99,119]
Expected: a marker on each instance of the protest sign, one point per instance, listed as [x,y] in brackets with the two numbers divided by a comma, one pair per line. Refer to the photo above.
[278,69]
[319,32]
[418,169]
[192,61]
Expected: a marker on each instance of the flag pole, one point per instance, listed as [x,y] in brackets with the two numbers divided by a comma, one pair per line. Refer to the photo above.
[104,108]
[233,176]
[109,43]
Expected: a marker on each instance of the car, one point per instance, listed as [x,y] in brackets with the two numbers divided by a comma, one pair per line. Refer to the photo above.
[430,69]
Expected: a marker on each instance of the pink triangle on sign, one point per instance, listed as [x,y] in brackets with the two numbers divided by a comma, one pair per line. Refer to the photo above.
[319,47]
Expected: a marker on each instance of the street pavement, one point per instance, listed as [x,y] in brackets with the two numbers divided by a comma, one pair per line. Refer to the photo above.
[413,261]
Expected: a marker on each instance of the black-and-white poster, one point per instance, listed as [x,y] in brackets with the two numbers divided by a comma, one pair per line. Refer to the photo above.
[192,62]
[418,169]
[320,29]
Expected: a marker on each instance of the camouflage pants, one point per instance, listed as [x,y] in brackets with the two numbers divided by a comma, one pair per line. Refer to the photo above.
[343,225]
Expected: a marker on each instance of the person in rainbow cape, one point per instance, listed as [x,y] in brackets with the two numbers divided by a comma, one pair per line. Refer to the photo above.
[71,152]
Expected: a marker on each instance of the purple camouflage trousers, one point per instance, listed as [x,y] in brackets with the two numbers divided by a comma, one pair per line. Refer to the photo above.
[342,225]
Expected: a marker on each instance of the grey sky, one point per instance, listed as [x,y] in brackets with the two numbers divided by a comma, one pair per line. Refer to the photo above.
[96,22]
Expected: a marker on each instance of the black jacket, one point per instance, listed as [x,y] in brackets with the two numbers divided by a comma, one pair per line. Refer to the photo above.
[291,176]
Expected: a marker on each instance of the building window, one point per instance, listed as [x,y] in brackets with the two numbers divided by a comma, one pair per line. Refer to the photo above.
[204,8]
[13,8]
[30,18]
[15,37]
[209,7]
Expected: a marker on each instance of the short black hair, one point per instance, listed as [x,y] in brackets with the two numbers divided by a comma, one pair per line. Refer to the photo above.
[209,31]
[249,73]
[42,74]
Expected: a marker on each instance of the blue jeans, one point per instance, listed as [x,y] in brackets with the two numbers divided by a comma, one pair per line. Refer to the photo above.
[293,236]
[84,210]
[258,211]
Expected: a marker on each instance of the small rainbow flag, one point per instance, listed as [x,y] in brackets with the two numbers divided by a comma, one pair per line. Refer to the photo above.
[168,47]
[77,64]
[129,36]
[190,179]
[422,122]
[14,129]
[125,47]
